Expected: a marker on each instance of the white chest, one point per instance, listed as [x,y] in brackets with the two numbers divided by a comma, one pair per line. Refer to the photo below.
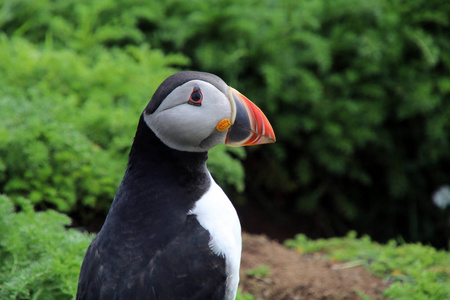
[216,214]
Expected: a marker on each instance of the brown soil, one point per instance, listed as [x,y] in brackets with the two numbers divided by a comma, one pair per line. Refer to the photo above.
[296,276]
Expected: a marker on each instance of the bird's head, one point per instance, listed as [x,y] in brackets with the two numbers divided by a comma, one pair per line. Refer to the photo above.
[195,111]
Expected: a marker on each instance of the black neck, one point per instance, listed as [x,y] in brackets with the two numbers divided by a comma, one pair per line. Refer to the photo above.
[160,180]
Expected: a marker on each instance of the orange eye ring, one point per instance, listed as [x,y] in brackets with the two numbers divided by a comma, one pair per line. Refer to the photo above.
[196,97]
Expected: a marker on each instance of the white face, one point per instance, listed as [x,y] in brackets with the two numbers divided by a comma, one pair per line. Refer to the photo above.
[186,127]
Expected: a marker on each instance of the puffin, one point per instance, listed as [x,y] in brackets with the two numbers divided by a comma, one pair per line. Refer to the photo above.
[171,232]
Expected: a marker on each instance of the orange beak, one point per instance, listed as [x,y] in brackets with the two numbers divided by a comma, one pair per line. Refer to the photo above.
[249,125]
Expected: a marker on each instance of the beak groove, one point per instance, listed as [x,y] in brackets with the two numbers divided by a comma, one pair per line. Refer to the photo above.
[249,124]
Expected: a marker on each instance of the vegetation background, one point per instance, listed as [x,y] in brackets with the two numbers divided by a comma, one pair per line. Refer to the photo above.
[358,93]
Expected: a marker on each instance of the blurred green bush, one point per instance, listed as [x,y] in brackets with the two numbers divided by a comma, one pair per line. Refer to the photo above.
[70,104]
[68,120]
[359,96]
[357,91]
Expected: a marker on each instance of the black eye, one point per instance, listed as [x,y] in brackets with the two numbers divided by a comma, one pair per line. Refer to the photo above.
[196,96]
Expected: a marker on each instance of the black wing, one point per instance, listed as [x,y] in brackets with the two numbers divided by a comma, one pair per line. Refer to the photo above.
[185,268]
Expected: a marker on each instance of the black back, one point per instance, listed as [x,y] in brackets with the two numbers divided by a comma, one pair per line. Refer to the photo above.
[149,247]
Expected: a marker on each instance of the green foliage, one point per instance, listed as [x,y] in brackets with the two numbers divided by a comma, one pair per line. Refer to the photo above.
[245,296]
[51,162]
[71,99]
[67,119]
[259,272]
[222,166]
[39,257]
[80,25]
[358,93]
[415,271]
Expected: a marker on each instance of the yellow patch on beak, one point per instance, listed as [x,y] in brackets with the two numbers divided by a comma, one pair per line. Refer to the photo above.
[224,124]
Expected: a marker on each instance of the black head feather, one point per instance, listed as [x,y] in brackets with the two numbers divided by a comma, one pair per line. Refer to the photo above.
[180,78]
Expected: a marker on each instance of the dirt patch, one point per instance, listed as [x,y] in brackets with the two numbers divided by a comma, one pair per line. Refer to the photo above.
[291,275]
